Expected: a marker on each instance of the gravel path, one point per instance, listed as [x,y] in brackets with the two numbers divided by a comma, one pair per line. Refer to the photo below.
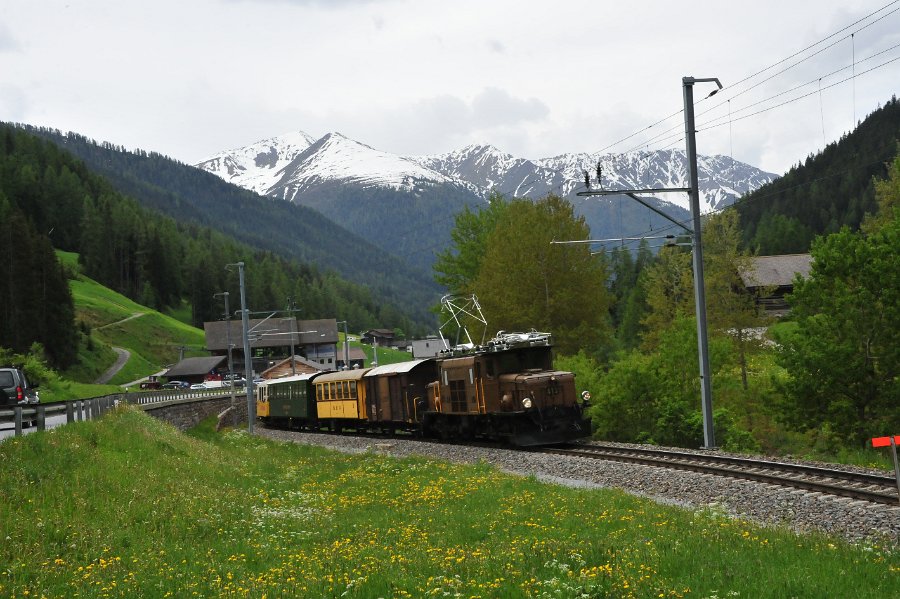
[855,521]
[122,358]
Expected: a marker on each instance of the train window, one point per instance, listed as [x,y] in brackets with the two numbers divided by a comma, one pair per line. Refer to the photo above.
[332,392]
[445,378]
[471,377]
[353,390]
[489,368]
[319,396]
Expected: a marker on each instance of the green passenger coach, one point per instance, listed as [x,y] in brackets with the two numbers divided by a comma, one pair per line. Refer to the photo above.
[287,402]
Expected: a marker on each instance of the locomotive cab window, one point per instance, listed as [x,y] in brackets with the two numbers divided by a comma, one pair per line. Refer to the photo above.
[489,368]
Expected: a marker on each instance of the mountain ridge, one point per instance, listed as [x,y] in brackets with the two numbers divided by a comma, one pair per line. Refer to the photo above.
[405,204]
[480,169]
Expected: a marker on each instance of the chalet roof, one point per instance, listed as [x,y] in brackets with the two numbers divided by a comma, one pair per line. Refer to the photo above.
[355,354]
[380,333]
[323,330]
[271,332]
[777,271]
[195,366]
[309,364]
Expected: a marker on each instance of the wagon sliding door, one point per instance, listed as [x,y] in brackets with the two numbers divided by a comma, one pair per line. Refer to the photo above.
[398,409]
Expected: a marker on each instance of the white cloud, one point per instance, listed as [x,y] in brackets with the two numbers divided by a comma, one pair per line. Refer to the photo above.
[423,77]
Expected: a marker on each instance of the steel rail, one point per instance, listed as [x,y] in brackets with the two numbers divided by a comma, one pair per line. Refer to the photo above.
[778,473]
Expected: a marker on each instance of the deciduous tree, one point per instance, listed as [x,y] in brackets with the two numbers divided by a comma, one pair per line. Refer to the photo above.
[524,281]
[457,267]
[844,357]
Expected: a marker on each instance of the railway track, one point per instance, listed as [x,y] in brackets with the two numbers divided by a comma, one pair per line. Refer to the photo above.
[873,488]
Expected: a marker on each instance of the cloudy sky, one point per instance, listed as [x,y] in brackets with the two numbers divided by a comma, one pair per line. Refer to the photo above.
[536,79]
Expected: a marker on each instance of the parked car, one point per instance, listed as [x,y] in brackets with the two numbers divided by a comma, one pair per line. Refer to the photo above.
[16,391]
[196,386]
[15,388]
[237,381]
[151,385]
[176,385]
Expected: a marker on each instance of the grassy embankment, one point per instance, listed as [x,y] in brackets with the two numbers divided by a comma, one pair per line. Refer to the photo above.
[152,339]
[126,507]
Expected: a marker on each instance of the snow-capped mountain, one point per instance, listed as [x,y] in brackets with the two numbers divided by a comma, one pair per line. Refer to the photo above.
[721,179]
[259,166]
[338,158]
[406,204]
[289,165]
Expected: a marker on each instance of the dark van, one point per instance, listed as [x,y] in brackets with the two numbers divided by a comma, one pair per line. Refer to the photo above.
[14,388]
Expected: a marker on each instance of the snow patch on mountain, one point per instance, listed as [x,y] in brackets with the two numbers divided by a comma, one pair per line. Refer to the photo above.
[259,166]
[336,157]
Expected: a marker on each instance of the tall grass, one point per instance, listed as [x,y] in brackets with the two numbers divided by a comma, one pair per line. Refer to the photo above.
[126,507]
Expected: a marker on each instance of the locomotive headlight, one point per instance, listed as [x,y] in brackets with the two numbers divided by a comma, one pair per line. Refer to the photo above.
[526,403]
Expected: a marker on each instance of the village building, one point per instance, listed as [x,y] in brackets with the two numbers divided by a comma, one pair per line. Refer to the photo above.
[429,347]
[357,358]
[273,340]
[771,279]
[384,337]
[290,366]
[196,370]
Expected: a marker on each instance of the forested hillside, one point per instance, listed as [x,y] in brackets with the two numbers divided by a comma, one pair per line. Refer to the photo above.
[829,190]
[413,225]
[297,233]
[35,303]
[49,199]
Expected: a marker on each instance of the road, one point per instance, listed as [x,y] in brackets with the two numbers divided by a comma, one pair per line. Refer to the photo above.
[8,429]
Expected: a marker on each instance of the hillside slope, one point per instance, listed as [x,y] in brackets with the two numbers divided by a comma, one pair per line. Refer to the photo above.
[191,195]
[154,340]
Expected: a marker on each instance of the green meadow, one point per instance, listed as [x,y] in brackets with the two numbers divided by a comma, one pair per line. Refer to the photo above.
[128,507]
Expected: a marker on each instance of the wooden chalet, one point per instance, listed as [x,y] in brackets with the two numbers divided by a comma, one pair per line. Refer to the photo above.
[385,337]
[195,370]
[771,279]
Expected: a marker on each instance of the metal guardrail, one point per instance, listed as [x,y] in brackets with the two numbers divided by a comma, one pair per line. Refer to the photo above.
[151,397]
[94,407]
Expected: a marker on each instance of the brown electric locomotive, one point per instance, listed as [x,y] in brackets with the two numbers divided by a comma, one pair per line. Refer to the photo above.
[505,390]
